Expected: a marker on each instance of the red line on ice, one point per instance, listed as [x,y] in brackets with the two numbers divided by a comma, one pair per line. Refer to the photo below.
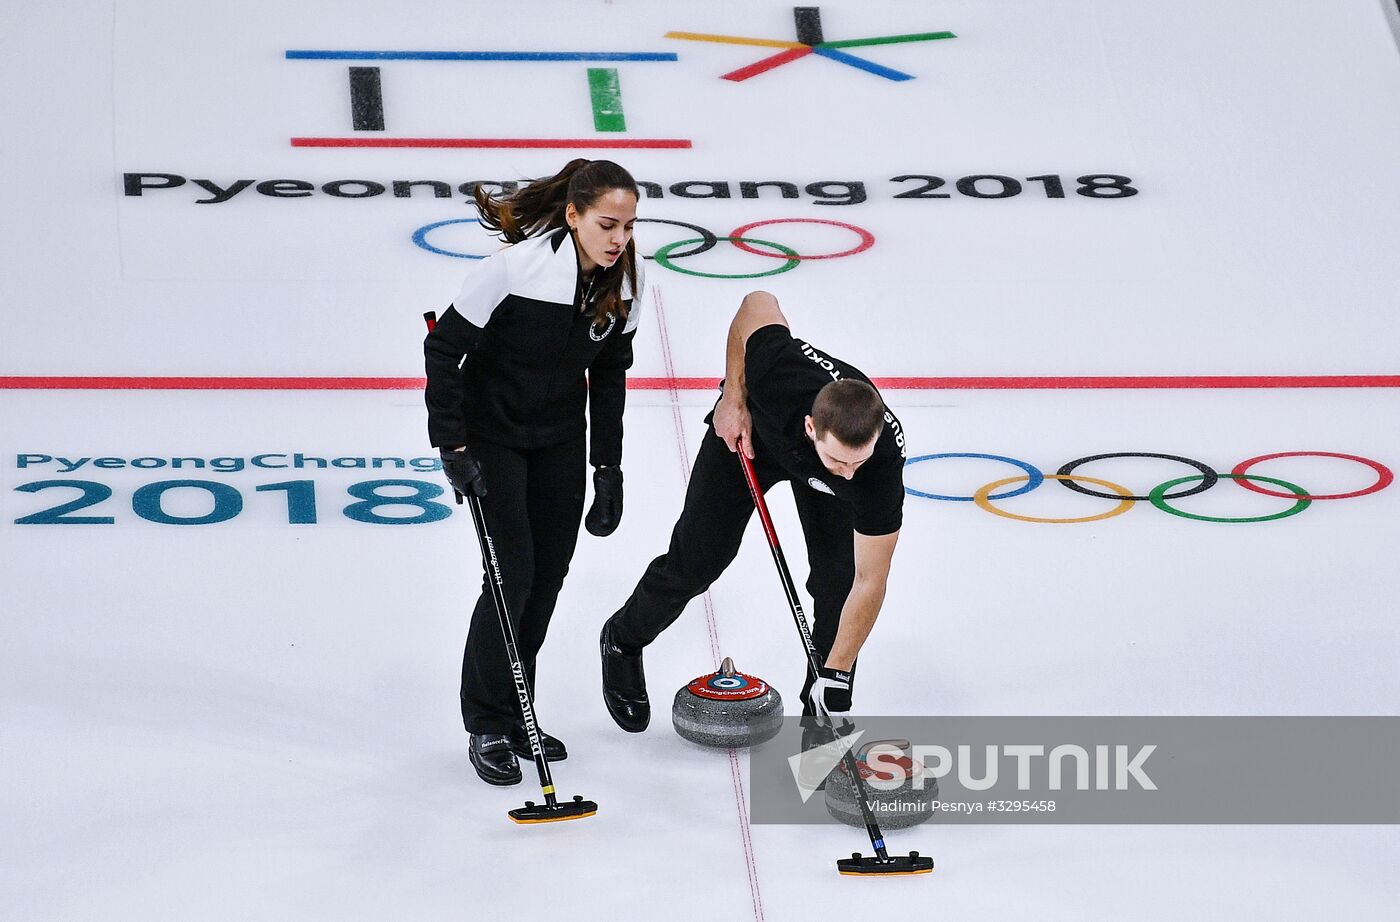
[497,143]
[344,383]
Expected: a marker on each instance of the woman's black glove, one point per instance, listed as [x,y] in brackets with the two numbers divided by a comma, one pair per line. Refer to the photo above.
[463,471]
[605,514]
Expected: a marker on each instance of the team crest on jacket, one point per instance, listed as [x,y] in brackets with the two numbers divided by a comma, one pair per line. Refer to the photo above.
[820,486]
[599,337]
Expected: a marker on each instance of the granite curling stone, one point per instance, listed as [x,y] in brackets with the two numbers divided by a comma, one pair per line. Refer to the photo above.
[727,709]
[901,791]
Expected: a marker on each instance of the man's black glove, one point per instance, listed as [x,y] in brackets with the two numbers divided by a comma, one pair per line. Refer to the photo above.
[463,471]
[830,693]
[606,512]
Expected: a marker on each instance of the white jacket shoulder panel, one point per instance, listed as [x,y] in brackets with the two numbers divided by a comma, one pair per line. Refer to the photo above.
[542,273]
[484,288]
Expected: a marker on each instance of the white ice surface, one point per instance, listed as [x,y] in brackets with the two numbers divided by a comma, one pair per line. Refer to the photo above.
[256,719]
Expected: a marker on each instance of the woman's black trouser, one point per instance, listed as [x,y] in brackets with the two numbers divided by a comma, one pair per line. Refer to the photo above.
[533,504]
[707,537]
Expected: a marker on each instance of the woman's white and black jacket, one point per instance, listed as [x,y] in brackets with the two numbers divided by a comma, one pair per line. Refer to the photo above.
[506,361]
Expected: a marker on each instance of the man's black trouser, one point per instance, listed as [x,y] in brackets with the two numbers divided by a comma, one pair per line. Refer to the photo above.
[533,504]
[707,536]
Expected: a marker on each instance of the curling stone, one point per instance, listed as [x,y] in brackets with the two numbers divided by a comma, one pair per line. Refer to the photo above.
[894,807]
[727,709]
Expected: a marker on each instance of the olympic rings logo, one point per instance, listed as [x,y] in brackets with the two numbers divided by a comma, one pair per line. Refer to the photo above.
[1159,496]
[704,241]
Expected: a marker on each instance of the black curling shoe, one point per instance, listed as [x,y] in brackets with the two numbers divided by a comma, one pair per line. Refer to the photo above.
[624,684]
[493,760]
[554,750]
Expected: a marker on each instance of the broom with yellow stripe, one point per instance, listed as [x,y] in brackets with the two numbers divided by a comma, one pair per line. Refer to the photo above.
[552,810]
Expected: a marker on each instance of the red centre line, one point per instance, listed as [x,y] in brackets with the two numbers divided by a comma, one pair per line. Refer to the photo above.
[640,383]
[495,143]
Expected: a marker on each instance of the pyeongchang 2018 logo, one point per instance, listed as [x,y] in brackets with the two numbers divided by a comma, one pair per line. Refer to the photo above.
[368,115]
[368,72]
[810,40]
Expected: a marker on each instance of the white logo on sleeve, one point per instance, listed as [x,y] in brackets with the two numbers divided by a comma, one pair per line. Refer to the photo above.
[820,486]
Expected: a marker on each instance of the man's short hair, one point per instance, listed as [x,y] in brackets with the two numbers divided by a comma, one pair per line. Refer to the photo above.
[850,410]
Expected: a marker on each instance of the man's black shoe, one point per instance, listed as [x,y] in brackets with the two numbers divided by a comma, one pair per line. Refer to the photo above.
[554,750]
[624,684]
[491,757]
[818,732]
